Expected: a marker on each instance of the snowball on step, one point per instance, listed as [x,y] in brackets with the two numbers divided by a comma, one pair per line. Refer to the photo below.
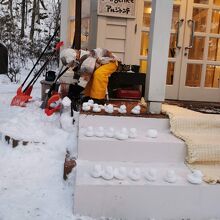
[152,133]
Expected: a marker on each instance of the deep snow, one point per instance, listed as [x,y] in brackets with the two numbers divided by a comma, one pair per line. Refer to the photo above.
[31,177]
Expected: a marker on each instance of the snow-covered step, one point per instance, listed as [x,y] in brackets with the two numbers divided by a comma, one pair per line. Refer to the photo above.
[164,148]
[123,121]
[140,200]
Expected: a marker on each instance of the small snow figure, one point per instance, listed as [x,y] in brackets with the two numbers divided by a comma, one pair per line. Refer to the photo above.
[110,132]
[122,109]
[109,108]
[89,132]
[135,174]
[108,173]
[122,134]
[97,171]
[96,108]
[132,133]
[66,102]
[120,173]
[195,177]
[90,102]
[152,133]
[99,132]
[170,176]
[86,107]
[151,175]
[136,110]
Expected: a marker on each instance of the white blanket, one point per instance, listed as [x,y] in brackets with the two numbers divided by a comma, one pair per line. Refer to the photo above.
[201,133]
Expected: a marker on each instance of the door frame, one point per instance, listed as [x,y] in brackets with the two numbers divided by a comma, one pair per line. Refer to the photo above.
[172,91]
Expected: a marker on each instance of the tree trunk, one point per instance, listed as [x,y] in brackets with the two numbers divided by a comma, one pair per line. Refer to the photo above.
[38,11]
[57,15]
[33,20]
[43,5]
[10,2]
[77,36]
[26,13]
[23,6]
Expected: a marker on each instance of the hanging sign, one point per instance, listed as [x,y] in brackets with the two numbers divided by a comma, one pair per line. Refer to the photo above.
[117,8]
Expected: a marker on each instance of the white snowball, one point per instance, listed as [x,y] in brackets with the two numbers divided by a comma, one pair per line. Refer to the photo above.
[152,133]
[170,176]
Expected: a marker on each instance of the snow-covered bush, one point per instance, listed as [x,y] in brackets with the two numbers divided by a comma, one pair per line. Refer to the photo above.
[26,27]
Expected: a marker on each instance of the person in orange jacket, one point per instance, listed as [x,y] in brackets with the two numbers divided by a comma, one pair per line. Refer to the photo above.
[95,68]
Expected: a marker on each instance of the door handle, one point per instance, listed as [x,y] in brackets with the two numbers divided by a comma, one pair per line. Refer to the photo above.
[179,23]
[192,33]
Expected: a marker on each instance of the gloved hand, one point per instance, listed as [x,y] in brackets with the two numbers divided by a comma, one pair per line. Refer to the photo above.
[74,91]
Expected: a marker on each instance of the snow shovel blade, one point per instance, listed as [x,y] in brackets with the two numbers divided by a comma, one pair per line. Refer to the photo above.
[28,90]
[53,105]
[20,100]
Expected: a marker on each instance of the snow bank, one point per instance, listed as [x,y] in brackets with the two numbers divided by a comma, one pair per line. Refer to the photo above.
[31,182]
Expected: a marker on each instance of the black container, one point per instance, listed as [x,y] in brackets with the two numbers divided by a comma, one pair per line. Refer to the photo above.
[50,76]
[135,68]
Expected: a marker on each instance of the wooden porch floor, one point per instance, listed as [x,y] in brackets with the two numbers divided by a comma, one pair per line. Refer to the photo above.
[204,107]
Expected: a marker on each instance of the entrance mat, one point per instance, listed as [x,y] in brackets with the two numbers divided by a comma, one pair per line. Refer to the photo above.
[201,133]
[203,107]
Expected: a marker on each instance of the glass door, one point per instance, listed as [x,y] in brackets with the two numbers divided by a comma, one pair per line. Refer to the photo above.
[175,49]
[200,69]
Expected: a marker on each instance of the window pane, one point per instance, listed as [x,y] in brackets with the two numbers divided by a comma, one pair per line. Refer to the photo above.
[200,18]
[175,17]
[214,49]
[217,2]
[143,66]
[85,33]
[147,12]
[170,73]
[144,43]
[198,48]
[193,75]
[215,22]
[212,76]
[201,1]
[172,49]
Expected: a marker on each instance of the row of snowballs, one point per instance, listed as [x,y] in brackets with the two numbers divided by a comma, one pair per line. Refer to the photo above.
[121,134]
[90,105]
[135,174]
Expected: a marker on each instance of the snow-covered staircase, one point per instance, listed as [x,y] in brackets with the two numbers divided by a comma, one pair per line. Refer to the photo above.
[138,200]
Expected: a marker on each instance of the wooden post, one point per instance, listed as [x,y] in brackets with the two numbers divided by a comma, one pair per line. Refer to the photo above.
[160,27]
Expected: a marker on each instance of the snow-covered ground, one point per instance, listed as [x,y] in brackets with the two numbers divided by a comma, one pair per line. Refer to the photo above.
[31,177]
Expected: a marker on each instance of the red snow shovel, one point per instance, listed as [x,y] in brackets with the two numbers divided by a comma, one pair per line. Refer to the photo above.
[53,104]
[23,97]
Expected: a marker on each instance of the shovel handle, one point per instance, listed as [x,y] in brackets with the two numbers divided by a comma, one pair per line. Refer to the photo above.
[32,82]
[48,44]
